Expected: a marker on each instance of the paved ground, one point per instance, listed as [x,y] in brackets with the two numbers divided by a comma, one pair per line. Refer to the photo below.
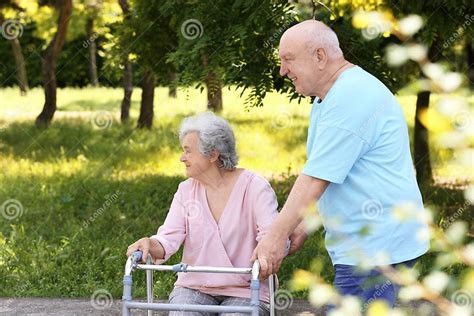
[57,306]
[40,307]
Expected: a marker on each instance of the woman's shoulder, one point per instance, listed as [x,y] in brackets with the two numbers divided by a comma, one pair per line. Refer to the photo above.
[255,180]
[187,185]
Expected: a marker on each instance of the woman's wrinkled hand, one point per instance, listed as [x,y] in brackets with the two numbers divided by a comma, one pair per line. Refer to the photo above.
[143,245]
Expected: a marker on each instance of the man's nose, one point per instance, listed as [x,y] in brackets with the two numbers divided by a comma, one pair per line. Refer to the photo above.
[283,69]
[182,158]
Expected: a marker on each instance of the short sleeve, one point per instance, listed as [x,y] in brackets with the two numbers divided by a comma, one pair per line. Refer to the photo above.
[173,231]
[333,153]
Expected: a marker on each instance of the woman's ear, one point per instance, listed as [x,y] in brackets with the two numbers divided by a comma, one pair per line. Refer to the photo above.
[214,156]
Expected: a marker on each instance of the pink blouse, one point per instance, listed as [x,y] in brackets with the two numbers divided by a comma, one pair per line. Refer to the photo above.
[248,214]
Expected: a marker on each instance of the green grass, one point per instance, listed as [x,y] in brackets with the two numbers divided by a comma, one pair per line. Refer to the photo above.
[86,193]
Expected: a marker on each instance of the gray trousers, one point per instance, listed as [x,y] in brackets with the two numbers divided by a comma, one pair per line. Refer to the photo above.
[181,295]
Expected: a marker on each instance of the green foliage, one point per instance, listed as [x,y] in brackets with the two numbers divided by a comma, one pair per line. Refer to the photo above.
[87,192]
[234,40]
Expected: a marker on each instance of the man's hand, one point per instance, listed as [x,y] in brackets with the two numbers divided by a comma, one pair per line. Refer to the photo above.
[270,252]
[297,239]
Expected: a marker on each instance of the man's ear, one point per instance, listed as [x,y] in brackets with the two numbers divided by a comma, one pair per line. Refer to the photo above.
[321,58]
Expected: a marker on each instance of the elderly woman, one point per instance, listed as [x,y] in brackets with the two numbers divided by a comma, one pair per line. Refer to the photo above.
[220,213]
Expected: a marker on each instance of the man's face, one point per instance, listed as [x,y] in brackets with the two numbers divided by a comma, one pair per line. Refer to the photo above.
[298,64]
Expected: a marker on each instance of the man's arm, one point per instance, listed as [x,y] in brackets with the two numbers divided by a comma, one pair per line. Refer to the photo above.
[270,250]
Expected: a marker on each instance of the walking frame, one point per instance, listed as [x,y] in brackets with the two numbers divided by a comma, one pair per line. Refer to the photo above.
[132,264]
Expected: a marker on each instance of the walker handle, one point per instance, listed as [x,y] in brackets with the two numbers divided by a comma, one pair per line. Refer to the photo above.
[136,256]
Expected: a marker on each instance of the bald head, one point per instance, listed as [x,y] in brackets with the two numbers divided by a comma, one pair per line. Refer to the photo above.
[313,34]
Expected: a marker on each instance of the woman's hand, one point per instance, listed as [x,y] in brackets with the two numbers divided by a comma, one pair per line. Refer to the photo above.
[143,244]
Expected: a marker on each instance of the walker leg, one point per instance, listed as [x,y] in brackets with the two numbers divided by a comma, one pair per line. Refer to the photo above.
[127,294]
[149,285]
[255,296]
[271,288]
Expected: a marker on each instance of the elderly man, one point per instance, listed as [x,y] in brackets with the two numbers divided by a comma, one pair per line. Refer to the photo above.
[358,168]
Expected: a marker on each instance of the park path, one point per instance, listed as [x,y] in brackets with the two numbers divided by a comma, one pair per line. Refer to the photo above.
[58,306]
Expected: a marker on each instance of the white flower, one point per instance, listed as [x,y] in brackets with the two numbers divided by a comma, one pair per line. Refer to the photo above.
[449,81]
[436,281]
[410,24]
[433,71]
[456,232]
[417,52]
[396,55]
[411,292]
[322,294]
[469,193]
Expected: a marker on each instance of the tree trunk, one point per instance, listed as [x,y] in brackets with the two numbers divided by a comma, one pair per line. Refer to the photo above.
[470,62]
[91,37]
[128,90]
[49,64]
[20,66]
[20,73]
[172,90]
[127,73]
[214,92]
[421,147]
[145,119]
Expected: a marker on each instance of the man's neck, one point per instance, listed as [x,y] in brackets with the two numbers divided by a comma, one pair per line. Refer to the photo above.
[333,72]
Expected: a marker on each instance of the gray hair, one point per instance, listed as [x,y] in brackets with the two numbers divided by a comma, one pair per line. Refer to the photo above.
[214,133]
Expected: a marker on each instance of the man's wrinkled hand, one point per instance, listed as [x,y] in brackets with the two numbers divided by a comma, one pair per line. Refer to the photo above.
[270,252]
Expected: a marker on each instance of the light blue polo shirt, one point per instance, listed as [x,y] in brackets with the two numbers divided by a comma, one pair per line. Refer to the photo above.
[358,140]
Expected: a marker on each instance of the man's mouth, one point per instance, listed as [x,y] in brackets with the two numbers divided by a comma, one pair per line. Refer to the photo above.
[293,79]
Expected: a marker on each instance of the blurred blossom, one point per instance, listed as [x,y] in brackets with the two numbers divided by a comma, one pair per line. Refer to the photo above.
[423,234]
[378,308]
[411,292]
[322,294]
[417,52]
[373,23]
[404,211]
[456,310]
[469,193]
[450,106]
[350,305]
[381,259]
[425,215]
[410,24]
[449,81]
[451,140]
[436,281]
[468,279]
[434,121]
[456,232]
[445,259]
[396,55]
[302,280]
[433,71]
[465,157]
[462,300]
[312,222]
[408,276]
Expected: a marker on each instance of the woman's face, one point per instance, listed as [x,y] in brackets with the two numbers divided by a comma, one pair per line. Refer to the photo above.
[195,162]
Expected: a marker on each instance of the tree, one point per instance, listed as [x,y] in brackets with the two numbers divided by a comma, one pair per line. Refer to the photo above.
[93,8]
[49,62]
[150,36]
[442,20]
[127,80]
[11,31]
[213,52]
